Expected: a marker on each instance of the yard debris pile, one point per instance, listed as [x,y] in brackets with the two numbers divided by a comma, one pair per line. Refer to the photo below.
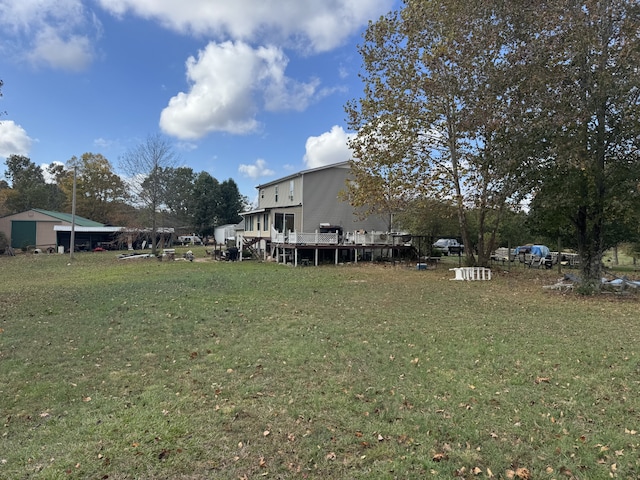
[617,284]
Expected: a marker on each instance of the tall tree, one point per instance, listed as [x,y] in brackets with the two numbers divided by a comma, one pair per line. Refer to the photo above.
[179,198]
[585,89]
[436,111]
[28,187]
[100,192]
[206,204]
[180,191]
[231,203]
[145,166]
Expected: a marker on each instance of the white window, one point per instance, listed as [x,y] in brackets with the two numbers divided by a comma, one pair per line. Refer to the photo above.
[291,190]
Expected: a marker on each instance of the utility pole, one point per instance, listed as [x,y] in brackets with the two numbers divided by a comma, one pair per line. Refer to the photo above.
[72,245]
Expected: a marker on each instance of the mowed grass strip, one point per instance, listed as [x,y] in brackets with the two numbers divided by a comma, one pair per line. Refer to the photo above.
[145,369]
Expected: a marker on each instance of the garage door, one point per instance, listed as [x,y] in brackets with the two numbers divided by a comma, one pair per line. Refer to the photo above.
[23,233]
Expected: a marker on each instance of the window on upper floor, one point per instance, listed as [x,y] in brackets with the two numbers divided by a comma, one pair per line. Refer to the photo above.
[276,195]
[291,184]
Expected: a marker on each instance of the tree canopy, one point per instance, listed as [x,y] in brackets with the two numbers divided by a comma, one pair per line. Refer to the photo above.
[437,112]
[28,188]
[100,192]
[485,103]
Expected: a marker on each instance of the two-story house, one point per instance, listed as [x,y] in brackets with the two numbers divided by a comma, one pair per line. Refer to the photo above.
[294,211]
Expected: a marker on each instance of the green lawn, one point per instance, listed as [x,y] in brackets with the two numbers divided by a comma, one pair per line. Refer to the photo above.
[178,370]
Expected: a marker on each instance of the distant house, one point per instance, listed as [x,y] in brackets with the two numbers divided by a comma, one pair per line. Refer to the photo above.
[302,211]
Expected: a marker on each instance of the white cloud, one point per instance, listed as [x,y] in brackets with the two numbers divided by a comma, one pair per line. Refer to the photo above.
[72,52]
[330,147]
[226,81]
[102,142]
[257,170]
[13,139]
[314,26]
[56,34]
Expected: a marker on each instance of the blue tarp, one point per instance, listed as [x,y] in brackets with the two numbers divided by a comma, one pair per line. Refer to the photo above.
[538,250]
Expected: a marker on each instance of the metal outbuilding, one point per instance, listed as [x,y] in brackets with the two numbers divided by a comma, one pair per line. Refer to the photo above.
[35,228]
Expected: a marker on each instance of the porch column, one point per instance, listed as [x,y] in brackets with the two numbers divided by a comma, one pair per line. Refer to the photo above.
[316,259]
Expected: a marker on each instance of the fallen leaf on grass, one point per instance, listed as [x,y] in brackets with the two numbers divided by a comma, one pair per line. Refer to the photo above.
[519,473]
[539,380]
[438,457]
[330,456]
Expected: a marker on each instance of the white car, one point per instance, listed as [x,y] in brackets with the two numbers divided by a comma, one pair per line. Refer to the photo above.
[190,240]
[449,246]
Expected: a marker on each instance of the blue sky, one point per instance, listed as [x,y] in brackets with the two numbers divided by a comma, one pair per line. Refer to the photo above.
[245,89]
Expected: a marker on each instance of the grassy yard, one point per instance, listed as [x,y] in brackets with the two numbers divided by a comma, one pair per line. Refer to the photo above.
[176,370]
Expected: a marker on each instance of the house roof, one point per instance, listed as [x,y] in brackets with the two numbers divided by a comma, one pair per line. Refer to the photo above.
[303,172]
[67,217]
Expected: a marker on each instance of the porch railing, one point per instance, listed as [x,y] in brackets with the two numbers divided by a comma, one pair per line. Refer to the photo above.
[315,238]
[319,238]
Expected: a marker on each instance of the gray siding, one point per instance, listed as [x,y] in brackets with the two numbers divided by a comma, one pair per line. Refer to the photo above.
[322,205]
[289,193]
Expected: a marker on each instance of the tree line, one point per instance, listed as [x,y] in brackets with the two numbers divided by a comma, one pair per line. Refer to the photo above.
[153,191]
[494,107]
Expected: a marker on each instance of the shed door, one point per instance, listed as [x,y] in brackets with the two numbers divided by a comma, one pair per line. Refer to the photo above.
[23,233]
